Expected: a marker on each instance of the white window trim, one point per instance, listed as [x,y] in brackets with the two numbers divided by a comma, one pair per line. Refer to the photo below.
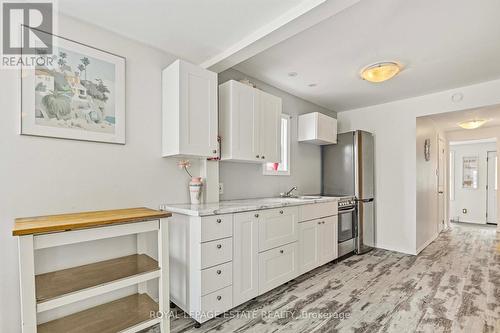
[267,172]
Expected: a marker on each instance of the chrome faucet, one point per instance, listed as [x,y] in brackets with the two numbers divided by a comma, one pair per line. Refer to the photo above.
[288,193]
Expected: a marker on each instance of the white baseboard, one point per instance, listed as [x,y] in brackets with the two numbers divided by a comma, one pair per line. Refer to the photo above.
[430,240]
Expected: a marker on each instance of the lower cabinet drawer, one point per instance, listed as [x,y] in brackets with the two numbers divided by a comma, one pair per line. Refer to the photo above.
[318,210]
[216,278]
[216,252]
[277,266]
[217,302]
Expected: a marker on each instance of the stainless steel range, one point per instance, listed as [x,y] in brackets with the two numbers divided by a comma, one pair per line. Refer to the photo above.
[347,223]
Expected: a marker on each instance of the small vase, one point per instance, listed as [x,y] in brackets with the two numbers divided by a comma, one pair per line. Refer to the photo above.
[195,187]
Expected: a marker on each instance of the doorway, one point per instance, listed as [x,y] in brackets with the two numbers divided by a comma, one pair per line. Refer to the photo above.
[441,183]
[492,188]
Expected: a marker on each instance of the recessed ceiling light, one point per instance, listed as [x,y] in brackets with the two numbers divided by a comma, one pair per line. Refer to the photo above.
[472,124]
[312,85]
[293,74]
[380,72]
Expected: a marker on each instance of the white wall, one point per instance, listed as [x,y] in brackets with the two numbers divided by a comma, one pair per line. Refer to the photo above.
[474,200]
[478,134]
[245,180]
[46,176]
[427,183]
[394,127]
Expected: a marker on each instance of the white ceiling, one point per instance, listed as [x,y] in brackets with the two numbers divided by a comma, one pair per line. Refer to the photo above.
[449,121]
[195,30]
[443,44]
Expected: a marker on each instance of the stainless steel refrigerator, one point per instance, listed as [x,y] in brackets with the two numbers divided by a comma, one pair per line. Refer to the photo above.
[348,170]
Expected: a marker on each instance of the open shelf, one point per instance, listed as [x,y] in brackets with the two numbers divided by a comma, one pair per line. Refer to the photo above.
[106,318]
[62,287]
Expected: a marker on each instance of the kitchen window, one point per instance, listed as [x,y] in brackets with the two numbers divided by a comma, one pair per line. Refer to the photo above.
[282,168]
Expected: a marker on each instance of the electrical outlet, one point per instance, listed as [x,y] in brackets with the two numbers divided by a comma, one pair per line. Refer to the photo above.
[221,188]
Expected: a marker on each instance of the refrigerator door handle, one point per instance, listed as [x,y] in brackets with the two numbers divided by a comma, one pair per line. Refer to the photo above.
[365,200]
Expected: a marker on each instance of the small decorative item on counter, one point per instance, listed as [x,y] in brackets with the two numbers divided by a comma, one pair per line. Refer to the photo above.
[195,185]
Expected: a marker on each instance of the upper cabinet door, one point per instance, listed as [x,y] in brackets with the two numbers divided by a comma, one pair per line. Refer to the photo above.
[250,123]
[189,111]
[239,121]
[317,128]
[270,127]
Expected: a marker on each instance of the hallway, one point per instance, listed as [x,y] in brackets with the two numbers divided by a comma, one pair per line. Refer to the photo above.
[452,286]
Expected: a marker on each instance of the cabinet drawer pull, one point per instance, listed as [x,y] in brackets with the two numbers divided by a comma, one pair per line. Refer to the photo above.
[263,157]
[281,212]
[218,220]
[257,156]
[256,215]
[214,151]
[219,298]
[219,246]
[281,251]
[219,272]
[319,222]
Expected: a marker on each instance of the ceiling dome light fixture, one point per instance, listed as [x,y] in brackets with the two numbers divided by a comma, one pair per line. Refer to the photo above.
[472,124]
[381,71]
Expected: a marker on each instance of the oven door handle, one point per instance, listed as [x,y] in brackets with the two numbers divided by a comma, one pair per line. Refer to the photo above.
[346,211]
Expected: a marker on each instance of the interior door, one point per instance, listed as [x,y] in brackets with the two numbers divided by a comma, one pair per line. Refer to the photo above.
[441,184]
[492,188]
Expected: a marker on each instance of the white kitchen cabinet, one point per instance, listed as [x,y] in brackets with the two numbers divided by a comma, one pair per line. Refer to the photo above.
[277,266]
[250,124]
[270,127]
[317,243]
[308,245]
[189,108]
[278,227]
[328,239]
[317,128]
[245,257]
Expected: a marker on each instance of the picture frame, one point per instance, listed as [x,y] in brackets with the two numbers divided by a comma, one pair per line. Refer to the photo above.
[80,95]
[470,172]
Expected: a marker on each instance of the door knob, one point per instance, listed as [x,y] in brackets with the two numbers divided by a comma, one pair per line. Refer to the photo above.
[281,212]
[219,246]
[256,215]
[219,272]
[281,251]
[263,157]
[218,220]
[257,156]
[219,298]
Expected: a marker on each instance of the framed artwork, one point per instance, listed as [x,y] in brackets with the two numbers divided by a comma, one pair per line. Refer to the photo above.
[78,95]
[427,150]
[470,174]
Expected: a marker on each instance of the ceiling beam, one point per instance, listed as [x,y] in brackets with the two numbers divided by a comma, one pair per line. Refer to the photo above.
[294,21]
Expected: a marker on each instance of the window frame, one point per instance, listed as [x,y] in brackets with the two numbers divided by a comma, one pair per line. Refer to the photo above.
[267,172]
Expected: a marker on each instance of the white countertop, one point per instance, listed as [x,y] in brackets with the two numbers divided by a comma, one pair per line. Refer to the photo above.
[237,206]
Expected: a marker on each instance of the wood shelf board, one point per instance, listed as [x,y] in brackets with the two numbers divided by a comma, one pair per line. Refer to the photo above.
[65,222]
[106,318]
[55,284]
